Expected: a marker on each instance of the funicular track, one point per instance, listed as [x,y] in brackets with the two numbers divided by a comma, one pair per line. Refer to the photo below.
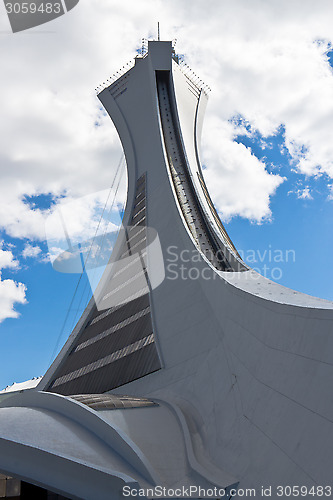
[183,184]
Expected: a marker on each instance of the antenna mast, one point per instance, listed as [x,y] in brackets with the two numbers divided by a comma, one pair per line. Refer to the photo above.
[158,31]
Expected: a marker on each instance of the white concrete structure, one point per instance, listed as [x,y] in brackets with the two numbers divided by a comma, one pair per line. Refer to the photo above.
[20,386]
[240,368]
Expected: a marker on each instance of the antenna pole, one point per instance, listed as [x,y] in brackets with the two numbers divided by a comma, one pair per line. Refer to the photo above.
[158,31]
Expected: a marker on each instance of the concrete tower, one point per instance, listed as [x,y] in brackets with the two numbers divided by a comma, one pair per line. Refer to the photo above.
[228,375]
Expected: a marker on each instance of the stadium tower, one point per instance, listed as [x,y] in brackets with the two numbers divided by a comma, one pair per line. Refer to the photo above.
[228,376]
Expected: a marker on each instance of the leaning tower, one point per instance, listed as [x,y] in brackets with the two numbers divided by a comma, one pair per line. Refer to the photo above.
[228,375]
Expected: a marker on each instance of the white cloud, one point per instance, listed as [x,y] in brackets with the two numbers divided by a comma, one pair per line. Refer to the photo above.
[234,169]
[304,194]
[11,293]
[31,251]
[7,259]
[83,226]
[262,60]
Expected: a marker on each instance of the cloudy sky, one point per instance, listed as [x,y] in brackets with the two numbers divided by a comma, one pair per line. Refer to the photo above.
[267,144]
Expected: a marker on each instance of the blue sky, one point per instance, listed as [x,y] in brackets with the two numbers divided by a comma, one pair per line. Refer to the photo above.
[266,147]
[302,215]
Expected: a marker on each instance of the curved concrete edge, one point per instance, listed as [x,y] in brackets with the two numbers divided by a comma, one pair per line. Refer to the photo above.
[221,478]
[111,435]
[61,474]
[260,288]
